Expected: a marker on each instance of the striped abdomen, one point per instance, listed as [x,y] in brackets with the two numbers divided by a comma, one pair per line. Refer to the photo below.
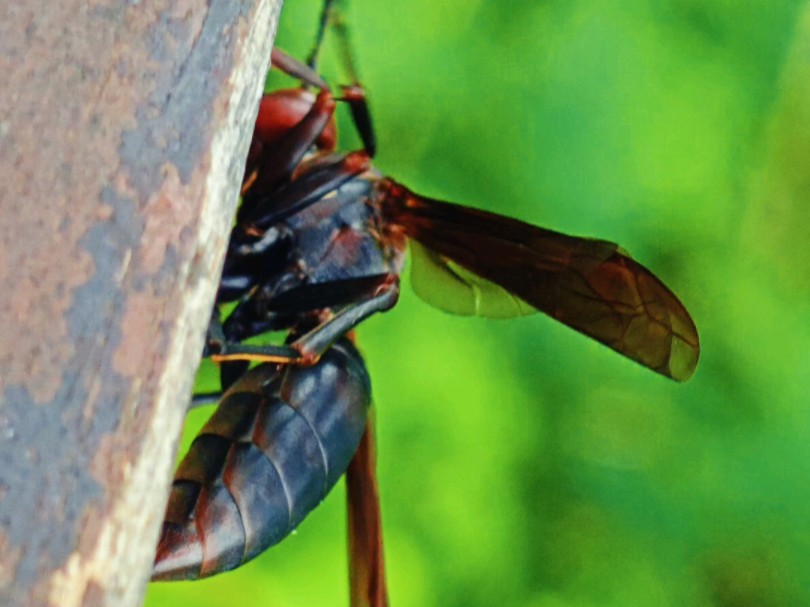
[279,440]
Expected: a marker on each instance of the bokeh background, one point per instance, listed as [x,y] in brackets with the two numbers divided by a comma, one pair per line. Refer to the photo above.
[519,462]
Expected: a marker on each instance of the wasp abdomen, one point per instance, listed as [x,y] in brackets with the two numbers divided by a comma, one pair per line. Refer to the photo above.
[277,443]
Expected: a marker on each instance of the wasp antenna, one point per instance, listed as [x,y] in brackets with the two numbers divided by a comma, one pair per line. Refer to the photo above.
[345,47]
[326,18]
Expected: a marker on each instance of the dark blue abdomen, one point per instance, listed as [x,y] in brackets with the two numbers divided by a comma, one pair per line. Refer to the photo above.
[278,442]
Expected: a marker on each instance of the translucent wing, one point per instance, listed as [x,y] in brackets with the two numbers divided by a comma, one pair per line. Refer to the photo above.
[590,285]
[450,287]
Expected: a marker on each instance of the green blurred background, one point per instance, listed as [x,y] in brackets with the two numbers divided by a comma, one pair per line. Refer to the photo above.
[520,463]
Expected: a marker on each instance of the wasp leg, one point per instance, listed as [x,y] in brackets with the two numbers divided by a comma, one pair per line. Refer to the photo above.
[380,296]
[218,347]
[258,313]
[366,563]
[331,294]
[258,353]
[214,335]
[295,68]
[355,96]
[261,211]
[313,344]
[218,344]
[277,164]
[203,399]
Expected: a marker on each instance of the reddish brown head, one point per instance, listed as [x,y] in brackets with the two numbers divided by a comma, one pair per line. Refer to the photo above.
[282,110]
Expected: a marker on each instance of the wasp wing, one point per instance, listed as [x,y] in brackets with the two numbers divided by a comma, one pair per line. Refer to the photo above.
[450,287]
[590,285]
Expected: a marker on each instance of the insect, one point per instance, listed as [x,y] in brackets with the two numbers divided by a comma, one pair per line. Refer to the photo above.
[319,244]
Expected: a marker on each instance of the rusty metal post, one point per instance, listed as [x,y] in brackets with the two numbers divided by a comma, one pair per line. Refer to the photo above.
[123,132]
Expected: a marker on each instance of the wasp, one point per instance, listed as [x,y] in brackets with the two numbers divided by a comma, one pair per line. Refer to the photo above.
[319,244]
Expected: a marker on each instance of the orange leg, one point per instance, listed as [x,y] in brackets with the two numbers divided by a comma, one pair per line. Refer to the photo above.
[366,566]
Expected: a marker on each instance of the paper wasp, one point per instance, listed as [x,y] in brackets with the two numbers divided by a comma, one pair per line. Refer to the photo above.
[319,244]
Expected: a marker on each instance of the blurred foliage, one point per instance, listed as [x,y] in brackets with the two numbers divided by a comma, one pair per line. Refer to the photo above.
[520,463]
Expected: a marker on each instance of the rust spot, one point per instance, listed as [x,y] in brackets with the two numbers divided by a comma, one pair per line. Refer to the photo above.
[8,564]
[168,211]
[39,296]
[139,326]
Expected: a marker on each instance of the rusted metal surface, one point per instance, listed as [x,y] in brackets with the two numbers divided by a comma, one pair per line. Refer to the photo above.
[123,131]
